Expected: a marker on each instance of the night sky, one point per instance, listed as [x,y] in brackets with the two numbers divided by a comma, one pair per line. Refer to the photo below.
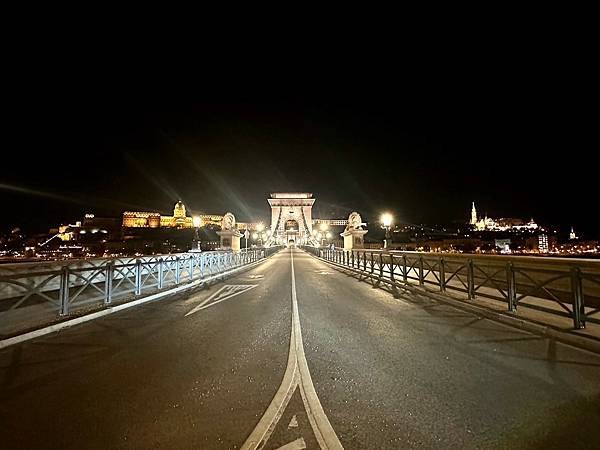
[422,148]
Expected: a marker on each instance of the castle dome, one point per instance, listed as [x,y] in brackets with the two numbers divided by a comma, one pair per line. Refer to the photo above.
[179,210]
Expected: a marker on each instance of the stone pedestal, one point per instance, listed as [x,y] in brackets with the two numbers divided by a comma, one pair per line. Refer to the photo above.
[354,239]
[230,239]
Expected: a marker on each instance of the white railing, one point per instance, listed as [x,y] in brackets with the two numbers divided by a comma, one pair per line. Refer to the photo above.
[34,294]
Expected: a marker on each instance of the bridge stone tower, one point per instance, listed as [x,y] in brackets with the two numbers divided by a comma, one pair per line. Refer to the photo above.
[291,218]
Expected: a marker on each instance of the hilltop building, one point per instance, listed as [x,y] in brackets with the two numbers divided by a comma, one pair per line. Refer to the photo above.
[179,219]
[504,224]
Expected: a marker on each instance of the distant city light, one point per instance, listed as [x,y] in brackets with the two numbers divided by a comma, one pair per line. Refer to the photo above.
[197,221]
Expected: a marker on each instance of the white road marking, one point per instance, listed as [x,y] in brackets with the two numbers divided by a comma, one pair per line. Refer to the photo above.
[298,444]
[293,422]
[256,276]
[296,375]
[225,293]
[113,309]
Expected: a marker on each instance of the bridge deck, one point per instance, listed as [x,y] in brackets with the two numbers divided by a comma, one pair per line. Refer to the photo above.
[200,371]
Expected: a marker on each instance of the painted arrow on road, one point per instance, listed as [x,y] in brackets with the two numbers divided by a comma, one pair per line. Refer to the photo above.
[225,293]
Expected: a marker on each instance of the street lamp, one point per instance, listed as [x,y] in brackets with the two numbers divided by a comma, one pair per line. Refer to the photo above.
[260,227]
[324,233]
[386,224]
[197,224]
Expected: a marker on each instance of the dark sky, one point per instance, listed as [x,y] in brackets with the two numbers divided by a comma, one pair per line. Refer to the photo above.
[100,139]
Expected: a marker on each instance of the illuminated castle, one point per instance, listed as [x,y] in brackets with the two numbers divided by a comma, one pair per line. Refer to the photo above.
[488,224]
[145,219]
[179,219]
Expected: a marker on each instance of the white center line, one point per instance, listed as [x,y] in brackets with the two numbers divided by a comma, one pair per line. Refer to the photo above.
[296,375]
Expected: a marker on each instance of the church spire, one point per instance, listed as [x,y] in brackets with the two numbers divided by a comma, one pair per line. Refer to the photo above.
[473,215]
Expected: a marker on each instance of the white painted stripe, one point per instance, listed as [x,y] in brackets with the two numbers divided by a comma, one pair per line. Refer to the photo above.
[296,375]
[113,309]
[320,423]
[203,305]
[298,444]
[266,425]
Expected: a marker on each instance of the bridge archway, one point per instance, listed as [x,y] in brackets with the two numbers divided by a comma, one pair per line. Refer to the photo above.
[291,217]
[291,225]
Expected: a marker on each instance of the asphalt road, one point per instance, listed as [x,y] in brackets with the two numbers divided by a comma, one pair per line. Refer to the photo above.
[297,355]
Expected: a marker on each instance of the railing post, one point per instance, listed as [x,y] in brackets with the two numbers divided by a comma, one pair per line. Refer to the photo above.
[372,263]
[160,273]
[177,272]
[470,280]
[64,291]
[108,279]
[380,266]
[442,276]
[392,268]
[138,276]
[404,273]
[578,299]
[512,285]
[364,261]
[352,258]
[421,276]
[191,267]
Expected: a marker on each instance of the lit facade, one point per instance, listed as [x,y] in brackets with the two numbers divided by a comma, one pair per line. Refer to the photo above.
[543,243]
[145,219]
[572,234]
[505,224]
[179,219]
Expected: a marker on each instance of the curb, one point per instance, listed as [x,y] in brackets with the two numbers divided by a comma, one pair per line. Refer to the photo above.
[578,341]
[113,309]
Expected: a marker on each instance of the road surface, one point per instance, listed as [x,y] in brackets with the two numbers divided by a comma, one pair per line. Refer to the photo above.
[293,354]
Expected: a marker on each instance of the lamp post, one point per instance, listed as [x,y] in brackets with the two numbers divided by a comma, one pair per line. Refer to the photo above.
[260,227]
[386,224]
[197,224]
[324,232]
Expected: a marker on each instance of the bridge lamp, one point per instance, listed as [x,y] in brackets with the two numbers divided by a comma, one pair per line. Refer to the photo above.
[197,220]
[386,224]
[255,236]
[260,227]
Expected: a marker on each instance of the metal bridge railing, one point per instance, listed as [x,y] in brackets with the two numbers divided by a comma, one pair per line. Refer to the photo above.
[32,294]
[531,282]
